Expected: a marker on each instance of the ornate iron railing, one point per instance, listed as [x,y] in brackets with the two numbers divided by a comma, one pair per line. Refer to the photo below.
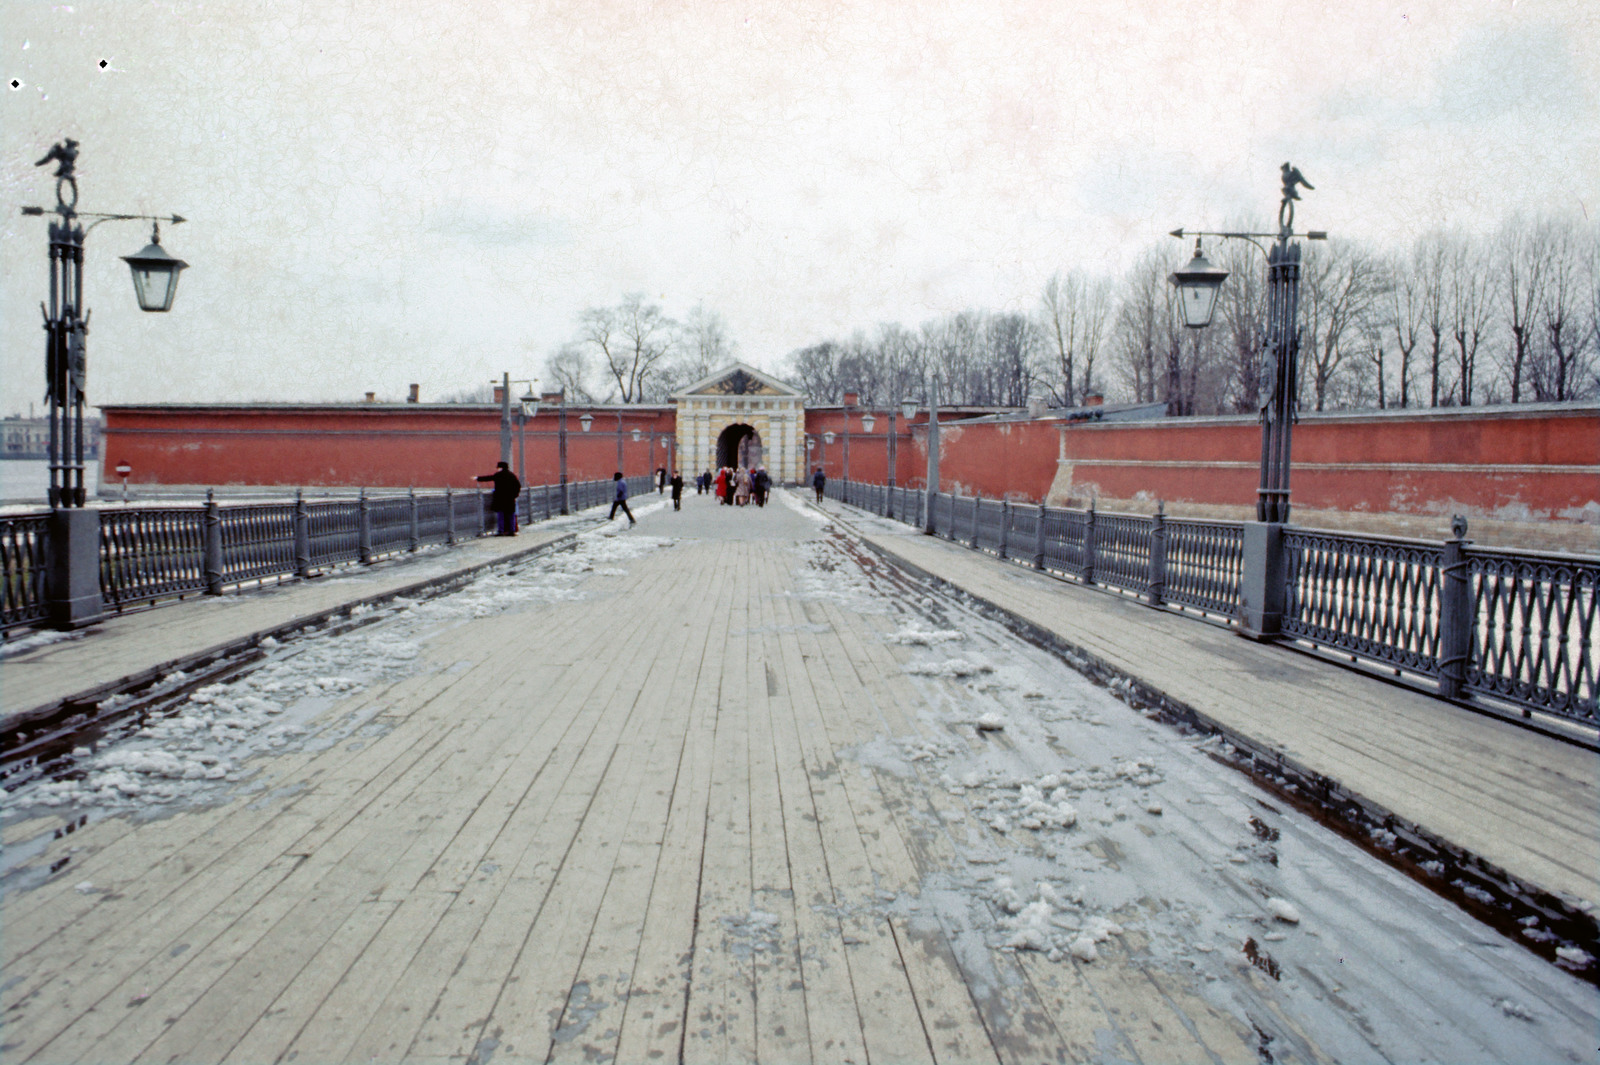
[1122,551]
[1370,596]
[151,553]
[1511,626]
[24,549]
[257,541]
[1205,561]
[336,532]
[1532,638]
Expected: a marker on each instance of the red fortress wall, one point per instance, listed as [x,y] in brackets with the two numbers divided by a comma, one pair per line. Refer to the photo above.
[1529,461]
[370,445]
[1532,461]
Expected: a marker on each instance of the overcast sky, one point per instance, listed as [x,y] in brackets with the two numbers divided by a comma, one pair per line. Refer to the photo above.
[400,191]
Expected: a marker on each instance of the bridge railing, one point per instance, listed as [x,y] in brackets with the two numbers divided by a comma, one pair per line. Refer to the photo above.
[1511,626]
[24,545]
[153,552]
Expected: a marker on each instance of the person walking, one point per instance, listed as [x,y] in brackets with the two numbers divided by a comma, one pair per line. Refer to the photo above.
[661,479]
[724,494]
[760,484]
[819,482]
[677,490]
[503,498]
[621,499]
[742,492]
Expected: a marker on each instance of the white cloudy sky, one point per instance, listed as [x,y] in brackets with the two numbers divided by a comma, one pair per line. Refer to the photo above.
[404,190]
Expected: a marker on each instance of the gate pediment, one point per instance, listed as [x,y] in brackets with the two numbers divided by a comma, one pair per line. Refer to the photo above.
[738,380]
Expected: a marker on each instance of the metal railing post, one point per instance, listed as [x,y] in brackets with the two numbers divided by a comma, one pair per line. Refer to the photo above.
[449,516]
[1156,592]
[72,592]
[364,529]
[1455,612]
[302,534]
[413,537]
[1038,540]
[1263,580]
[212,564]
[1005,523]
[1088,545]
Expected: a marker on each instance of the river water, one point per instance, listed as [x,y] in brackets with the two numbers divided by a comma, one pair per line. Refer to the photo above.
[28,480]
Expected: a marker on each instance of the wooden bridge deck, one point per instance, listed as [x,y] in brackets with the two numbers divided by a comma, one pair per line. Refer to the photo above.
[612,828]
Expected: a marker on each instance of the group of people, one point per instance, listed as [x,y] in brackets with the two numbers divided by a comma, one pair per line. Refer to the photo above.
[737,486]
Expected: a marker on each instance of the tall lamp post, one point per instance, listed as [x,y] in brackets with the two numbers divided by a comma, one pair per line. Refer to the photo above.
[66,319]
[561,443]
[933,452]
[527,407]
[1198,284]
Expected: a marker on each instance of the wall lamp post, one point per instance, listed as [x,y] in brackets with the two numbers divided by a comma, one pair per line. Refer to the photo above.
[1198,284]
[66,319]
[527,407]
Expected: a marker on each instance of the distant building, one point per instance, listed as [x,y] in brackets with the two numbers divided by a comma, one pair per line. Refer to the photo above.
[29,438]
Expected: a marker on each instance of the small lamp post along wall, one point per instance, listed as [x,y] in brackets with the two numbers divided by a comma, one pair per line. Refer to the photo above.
[1198,284]
[66,319]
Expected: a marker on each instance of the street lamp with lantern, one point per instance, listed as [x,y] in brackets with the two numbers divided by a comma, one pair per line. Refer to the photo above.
[1198,284]
[66,319]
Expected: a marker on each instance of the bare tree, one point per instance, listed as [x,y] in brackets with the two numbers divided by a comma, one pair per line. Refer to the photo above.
[1074,317]
[1141,325]
[706,345]
[1521,255]
[571,369]
[1341,284]
[816,370]
[632,339]
[1430,262]
[1561,371]
[1404,309]
[1472,292]
[1243,309]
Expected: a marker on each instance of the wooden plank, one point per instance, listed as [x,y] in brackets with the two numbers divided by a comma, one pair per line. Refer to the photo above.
[653,1026]
[720,1022]
[781,1017]
[619,948]
[530,853]
[462,970]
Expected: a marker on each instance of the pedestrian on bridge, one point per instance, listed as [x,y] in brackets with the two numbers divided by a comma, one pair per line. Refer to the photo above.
[621,499]
[503,499]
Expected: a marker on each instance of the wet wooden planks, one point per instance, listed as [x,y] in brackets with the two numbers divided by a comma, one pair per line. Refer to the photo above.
[625,832]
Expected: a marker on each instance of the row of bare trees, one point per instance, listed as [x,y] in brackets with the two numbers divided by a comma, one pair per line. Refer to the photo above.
[634,353]
[1452,321]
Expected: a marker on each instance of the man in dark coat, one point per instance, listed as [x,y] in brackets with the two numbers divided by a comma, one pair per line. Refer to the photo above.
[819,482]
[661,479]
[677,490]
[503,499]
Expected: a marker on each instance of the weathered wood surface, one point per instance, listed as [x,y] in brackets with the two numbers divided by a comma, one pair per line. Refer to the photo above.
[621,830]
[127,645]
[1521,800]
[626,826]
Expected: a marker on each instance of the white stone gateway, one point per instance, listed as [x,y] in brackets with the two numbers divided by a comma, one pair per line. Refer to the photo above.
[740,416]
